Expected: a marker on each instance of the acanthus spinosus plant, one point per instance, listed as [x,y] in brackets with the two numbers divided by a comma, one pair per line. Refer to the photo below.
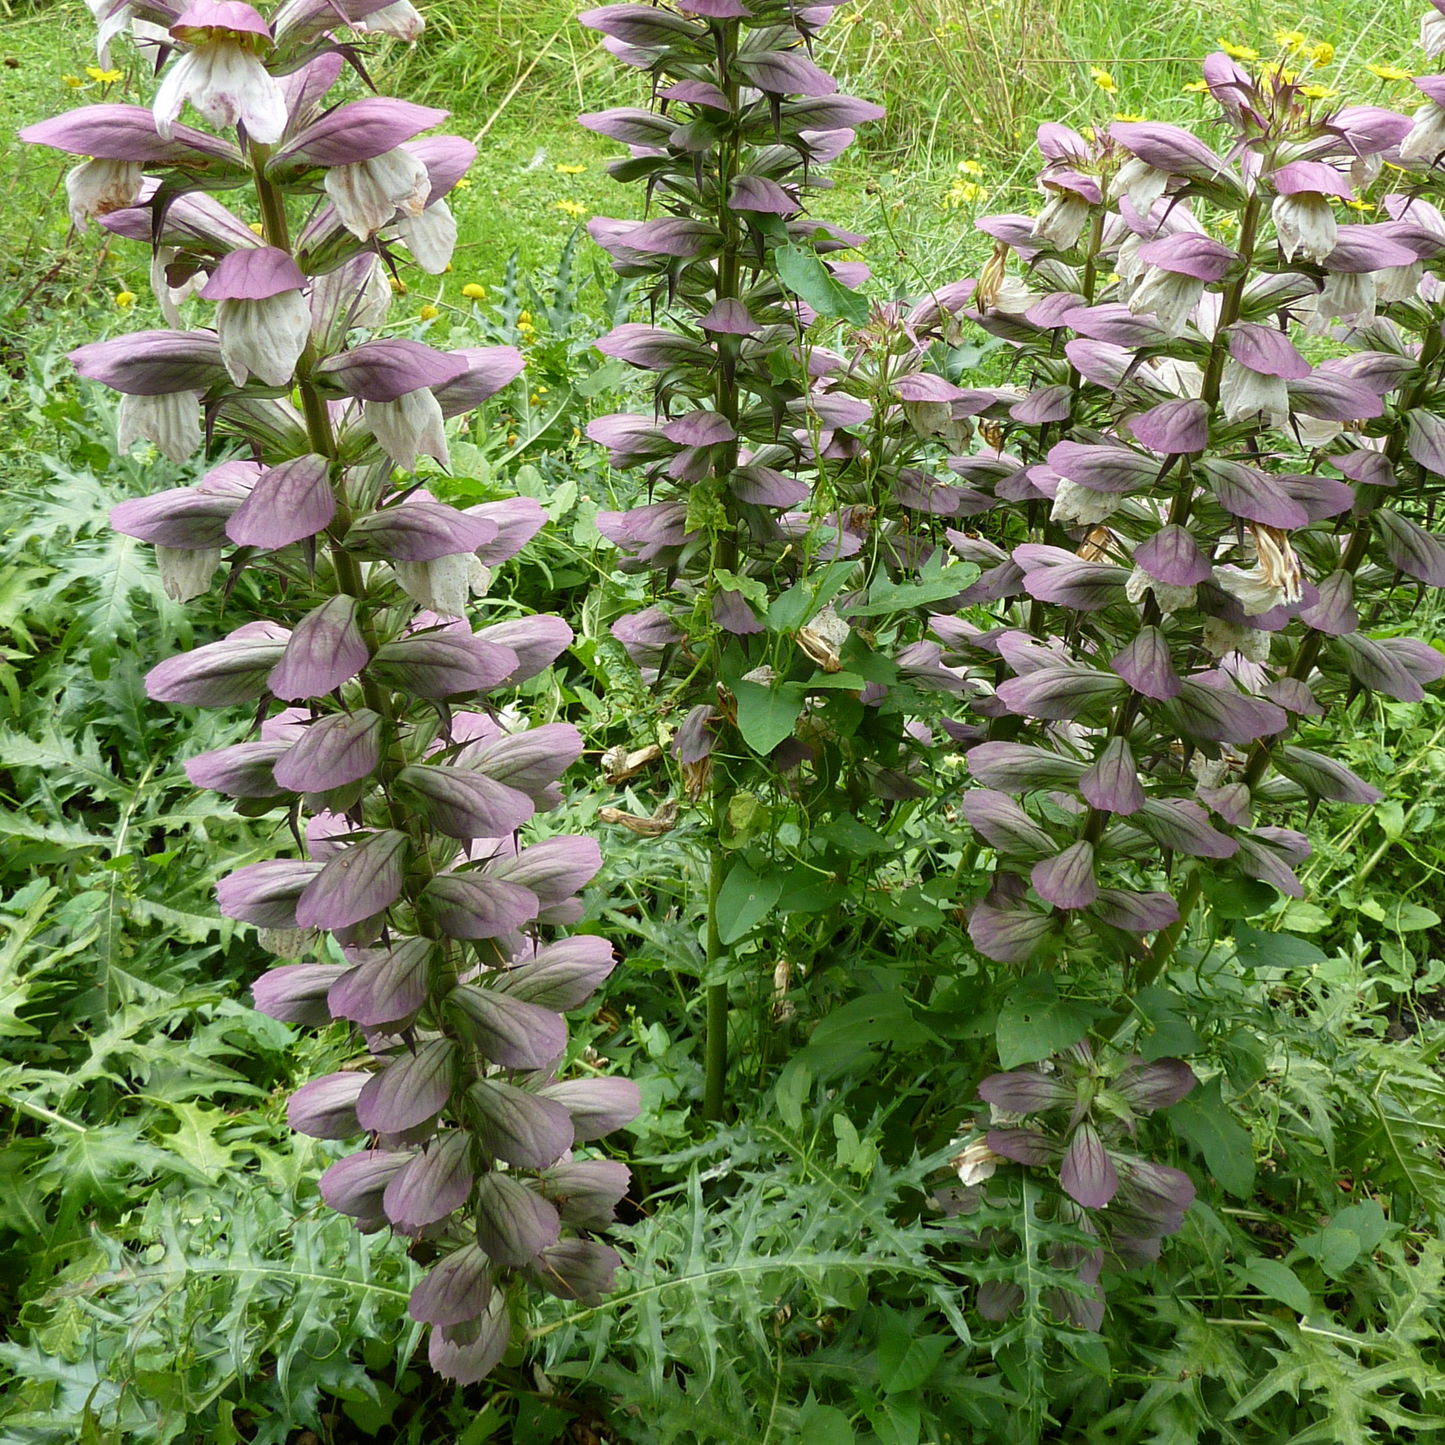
[786,520]
[1078,1115]
[1226,460]
[416,910]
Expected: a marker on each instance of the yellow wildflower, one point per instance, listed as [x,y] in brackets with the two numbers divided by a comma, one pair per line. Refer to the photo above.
[105,77]
[541,391]
[965,193]
[428,313]
[1291,40]
[1125,115]
[398,286]
[1389,72]
[524,318]
[1196,87]
[473,292]
[258,228]
[73,81]
[575,209]
[1358,205]
[511,439]
[570,170]
[1322,53]
[464,184]
[970,168]
[1237,52]
[125,299]
[1317,92]
[1103,80]
[533,399]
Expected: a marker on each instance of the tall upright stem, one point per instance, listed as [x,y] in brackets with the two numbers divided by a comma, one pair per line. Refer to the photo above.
[724,555]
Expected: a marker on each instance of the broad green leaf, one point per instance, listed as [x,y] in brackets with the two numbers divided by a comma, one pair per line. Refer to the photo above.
[1276,1280]
[1274,950]
[848,835]
[1035,1022]
[936,583]
[905,1359]
[1203,1120]
[766,714]
[806,276]
[1399,916]
[850,1031]
[824,1424]
[744,900]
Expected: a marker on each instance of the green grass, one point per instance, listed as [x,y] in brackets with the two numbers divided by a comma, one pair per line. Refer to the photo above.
[965,82]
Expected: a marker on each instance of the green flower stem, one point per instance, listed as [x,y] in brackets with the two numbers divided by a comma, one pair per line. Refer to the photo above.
[1308,650]
[724,555]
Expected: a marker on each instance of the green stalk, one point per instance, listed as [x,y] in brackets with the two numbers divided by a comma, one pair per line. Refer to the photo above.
[724,555]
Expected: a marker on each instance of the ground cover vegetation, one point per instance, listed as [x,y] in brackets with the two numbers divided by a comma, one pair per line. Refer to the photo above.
[765,769]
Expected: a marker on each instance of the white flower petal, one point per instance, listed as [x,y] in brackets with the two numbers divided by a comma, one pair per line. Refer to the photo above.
[430,237]
[368,195]
[264,338]
[408,427]
[172,422]
[186,572]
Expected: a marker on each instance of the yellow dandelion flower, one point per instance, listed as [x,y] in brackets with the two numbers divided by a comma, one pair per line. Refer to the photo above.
[428,313]
[1317,92]
[1237,52]
[524,318]
[1362,206]
[1196,87]
[1280,74]
[1322,53]
[464,184]
[257,227]
[398,286]
[125,299]
[575,209]
[1291,40]
[473,292]
[1389,72]
[105,77]
[970,168]
[1126,115]
[1103,80]
[73,81]
[570,170]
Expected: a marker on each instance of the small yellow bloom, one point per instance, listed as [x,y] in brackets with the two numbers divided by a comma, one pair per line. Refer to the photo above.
[473,292]
[1388,72]
[1237,52]
[1280,74]
[1358,205]
[105,77]
[398,286]
[464,184]
[541,391]
[125,299]
[570,170]
[524,318]
[575,209]
[511,439]
[428,313]
[73,81]
[1196,87]
[533,399]
[1113,278]
[1322,53]
[1291,40]
[1124,115]
[970,168]
[1103,80]
[258,228]
[1317,92]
